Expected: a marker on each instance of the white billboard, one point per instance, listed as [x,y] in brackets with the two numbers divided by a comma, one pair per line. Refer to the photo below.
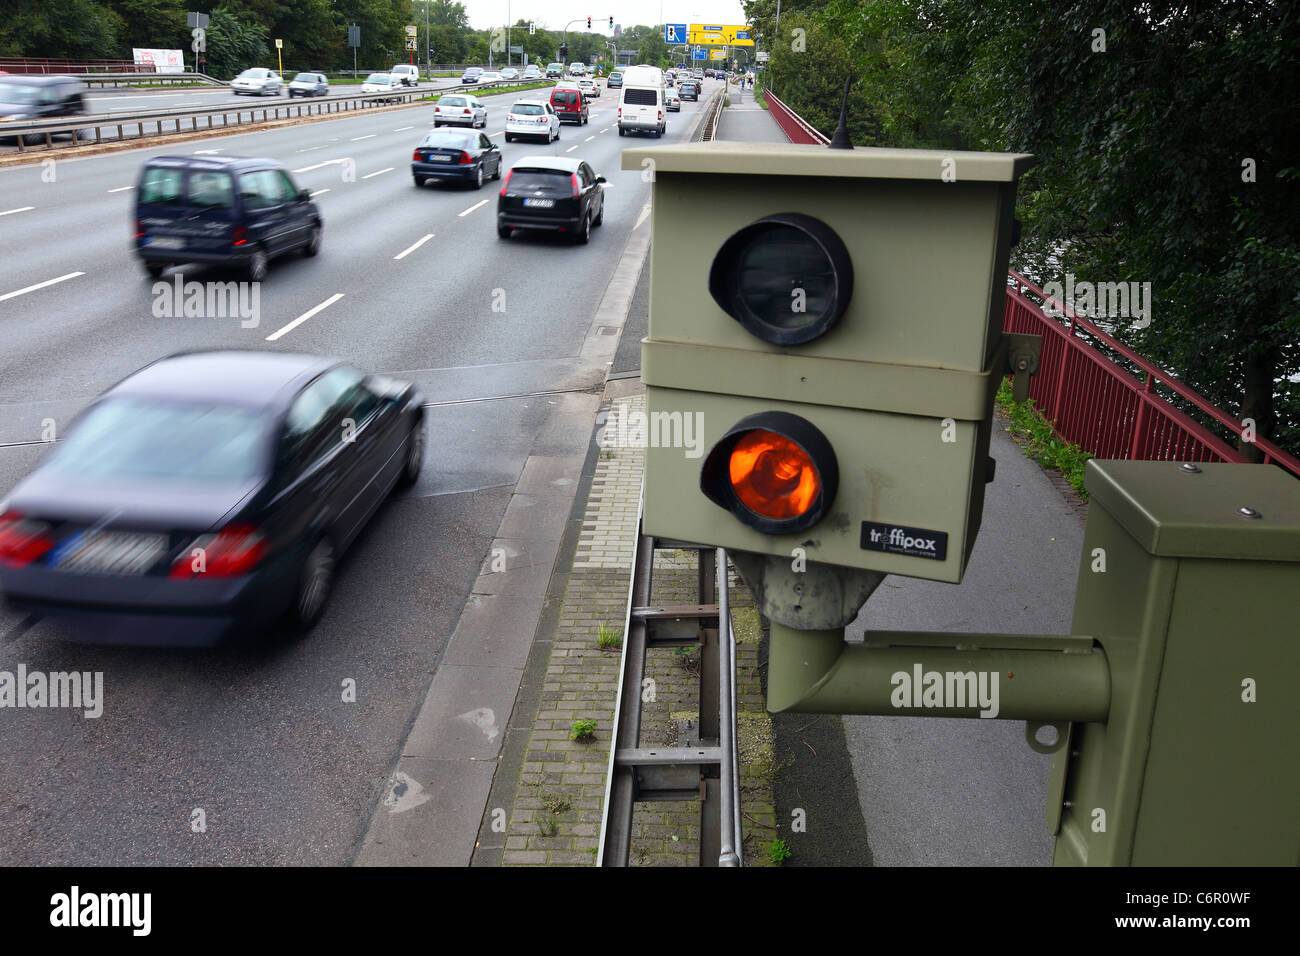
[164,61]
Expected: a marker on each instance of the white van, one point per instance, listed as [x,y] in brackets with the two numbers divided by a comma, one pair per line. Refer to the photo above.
[408,74]
[641,103]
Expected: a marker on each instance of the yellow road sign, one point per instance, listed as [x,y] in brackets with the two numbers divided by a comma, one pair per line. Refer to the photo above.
[714,34]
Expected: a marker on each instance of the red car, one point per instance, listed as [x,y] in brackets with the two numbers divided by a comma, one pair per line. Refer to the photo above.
[570,105]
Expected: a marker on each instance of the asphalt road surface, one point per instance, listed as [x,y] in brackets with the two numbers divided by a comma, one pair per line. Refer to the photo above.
[260,740]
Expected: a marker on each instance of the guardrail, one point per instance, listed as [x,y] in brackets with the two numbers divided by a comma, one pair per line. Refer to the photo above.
[796,129]
[712,110]
[59,65]
[187,119]
[149,79]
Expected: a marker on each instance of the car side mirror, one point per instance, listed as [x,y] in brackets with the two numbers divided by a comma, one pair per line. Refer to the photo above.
[599,180]
[304,195]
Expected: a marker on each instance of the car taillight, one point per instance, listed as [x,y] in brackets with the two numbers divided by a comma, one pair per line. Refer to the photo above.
[22,540]
[234,550]
[465,158]
[620,112]
[415,156]
[506,182]
[573,177]
[139,229]
[466,112]
[239,236]
[661,114]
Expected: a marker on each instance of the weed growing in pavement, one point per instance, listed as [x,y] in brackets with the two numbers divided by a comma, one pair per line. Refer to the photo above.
[1033,433]
[583,731]
[688,658]
[609,638]
[556,803]
[546,825]
[778,851]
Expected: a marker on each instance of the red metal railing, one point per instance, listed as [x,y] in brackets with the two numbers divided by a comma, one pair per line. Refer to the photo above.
[36,64]
[1098,393]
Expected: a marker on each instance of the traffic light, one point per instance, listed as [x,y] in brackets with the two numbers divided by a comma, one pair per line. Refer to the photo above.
[611,23]
[588,23]
[564,51]
[829,338]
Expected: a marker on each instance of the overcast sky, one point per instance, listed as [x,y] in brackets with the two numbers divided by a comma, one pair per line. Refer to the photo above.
[554,14]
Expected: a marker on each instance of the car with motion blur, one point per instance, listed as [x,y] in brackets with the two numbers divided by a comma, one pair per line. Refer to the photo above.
[690,90]
[532,72]
[221,210]
[570,104]
[510,73]
[309,84]
[209,495]
[698,74]
[471,74]
[257,82]
[459,109]
[532,118]
[29,97]
[490,76]
[577,69]
[453,155]
[408,73]
[615,80]
[551,193]
[672,102]
[554,71]
[589,88]
[381,83]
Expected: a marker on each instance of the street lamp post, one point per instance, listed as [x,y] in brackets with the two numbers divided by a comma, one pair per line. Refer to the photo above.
[428,53]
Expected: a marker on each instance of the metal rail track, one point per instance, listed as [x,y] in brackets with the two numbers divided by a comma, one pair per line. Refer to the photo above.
[708,768]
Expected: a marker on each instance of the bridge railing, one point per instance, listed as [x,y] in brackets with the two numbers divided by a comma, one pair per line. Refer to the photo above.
[1096,392]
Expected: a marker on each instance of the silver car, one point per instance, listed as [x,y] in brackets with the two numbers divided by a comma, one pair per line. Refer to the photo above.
[257,82]
[459,109]
[309,84]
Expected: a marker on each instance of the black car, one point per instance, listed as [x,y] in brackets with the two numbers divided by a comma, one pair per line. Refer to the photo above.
[30,98]
[689,90]
[463,156]
[208,495]
[224,210]
[551,193]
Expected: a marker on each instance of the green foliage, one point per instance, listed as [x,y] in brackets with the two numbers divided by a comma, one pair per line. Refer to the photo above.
[547,824]
[556,804]
[583,731]
[609,639]
[1033,433]
[778,851]
[235,44]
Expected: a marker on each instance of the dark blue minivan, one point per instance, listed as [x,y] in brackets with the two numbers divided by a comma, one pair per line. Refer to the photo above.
[228,211]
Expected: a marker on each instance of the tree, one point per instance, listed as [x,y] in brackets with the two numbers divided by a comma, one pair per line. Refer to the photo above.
[235,45]
[76,29]
[155,24]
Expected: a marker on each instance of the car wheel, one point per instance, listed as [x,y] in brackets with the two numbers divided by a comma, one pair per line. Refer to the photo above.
[478,176]
[155,269]
[496,173]
[622,131]
[257,265]
[419,180]
[509,138]
[313,240]
[414,457]
[600,216]
[583,235]
[314,581]
[503,232]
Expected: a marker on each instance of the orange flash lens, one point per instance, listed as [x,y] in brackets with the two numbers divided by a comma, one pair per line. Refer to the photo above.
[773,476]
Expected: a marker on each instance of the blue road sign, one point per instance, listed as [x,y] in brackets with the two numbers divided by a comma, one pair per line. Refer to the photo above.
[699,53]
[674,33]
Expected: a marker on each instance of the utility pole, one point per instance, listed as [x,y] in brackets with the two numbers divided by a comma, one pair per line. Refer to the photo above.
[508,21]
[428,52]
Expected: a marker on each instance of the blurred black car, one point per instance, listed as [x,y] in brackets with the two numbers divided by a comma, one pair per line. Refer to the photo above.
[461,155]
[208,495]
[31,98]
[690,90]
[551,193]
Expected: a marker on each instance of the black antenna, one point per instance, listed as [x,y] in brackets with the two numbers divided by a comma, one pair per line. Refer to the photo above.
[841,138]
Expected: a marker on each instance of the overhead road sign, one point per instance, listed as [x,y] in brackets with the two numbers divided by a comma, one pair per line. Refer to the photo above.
[675,33]
[721,34]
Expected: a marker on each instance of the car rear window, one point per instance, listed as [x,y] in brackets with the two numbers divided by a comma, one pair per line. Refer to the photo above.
[447,139]
[211,190]
[527,109]
[377,78]
[152,440]
[640,97]
[161,187]
[538,178]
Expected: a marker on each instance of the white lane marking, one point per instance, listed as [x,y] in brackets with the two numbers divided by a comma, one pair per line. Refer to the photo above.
[411,248]
[379,172]
[10,212]
[357,139]
[39,285]
[605,130]
[304,317]
[403,129]
[481,202]
[319,191]
[645,214]
[589,139]
[121,189]
[328,162]
[207,152]
[571,149]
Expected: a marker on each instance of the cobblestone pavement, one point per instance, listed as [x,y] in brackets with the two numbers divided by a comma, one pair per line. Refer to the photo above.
[557,810]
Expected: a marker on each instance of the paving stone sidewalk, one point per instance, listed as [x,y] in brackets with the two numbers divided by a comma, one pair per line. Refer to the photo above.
[556,815]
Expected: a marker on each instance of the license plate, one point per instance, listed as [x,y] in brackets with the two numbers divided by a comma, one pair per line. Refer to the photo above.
[540,203]
[111,552]
[440,159]
[166,242]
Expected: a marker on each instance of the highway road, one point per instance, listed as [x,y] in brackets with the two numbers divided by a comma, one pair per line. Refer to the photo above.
[405,284]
